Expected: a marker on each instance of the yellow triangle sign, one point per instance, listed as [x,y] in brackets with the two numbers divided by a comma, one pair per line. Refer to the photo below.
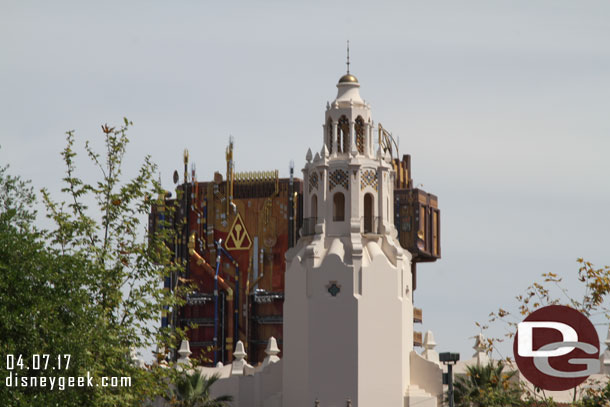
[238,238]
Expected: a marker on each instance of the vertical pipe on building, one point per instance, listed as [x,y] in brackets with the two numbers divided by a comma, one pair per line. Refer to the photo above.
[291,207]
[255,258]
[295,229]
[230,334]
[205,221]
[218,248]
[222,341]
[221,250]
[184,238]
[173,276]
[236,306]
[209,233]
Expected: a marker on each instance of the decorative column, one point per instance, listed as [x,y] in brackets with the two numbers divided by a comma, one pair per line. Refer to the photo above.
[371,142]
[184,352]
[325,133]
[334,140]
[429,345]
[366,139]
[240,366]
[272,352]
[353,146]
[306,191]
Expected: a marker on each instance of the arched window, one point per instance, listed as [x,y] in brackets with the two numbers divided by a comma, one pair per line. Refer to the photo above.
[329,134]
[343,135]
[368,213]
[314,206]
[339,207]
[359,127]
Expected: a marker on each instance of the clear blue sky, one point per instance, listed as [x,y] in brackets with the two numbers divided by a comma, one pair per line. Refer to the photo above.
[502,105]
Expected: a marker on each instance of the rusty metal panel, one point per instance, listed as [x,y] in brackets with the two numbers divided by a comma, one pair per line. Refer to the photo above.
[418,223]
[417,339]
[417,315]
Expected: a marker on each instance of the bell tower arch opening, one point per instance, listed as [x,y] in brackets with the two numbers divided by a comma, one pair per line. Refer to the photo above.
[360,139]
[343,135]
[368,212]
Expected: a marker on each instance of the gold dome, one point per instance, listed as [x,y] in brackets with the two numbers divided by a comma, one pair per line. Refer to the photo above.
[348,78]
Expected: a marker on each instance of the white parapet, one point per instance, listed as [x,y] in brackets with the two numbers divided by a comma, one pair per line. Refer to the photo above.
[429,345]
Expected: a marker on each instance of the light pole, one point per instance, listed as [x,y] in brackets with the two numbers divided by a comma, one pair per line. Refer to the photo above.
[449,359]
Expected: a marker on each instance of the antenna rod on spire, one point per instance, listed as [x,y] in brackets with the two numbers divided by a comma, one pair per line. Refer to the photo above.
[347,56]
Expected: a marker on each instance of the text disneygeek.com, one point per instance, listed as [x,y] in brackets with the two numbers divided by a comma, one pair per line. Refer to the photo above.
[60,362]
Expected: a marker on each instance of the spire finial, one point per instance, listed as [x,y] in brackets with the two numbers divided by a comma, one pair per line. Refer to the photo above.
[347,63]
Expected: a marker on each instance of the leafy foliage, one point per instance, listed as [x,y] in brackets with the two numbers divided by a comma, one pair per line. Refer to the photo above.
[193,390]
[44,308]
[487,385]
[92,286]
[595,395]
[596,283]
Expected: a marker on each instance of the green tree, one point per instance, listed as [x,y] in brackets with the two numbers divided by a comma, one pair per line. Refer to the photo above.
[44,305]
[193,390]
[90,287]
[487,385]
[126,266]
[596,396]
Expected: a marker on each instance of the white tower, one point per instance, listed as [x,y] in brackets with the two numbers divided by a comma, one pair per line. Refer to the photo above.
[348,314]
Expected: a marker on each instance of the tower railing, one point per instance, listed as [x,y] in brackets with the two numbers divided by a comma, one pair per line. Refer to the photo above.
[371,224]
[309,226]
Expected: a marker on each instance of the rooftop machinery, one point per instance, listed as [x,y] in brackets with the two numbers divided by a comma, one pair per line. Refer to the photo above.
[233,233]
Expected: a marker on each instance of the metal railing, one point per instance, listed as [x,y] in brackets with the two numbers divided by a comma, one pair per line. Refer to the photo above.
[198,321]
[265,297]
[348,403]
[268,319]
[309,226]
[199,298]
[372,224]
[369,225]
